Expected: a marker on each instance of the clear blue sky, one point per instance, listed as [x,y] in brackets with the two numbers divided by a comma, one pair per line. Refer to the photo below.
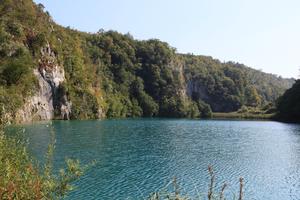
[263,34]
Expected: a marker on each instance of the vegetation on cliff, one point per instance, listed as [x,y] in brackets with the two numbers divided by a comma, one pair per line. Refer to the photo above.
[113,75]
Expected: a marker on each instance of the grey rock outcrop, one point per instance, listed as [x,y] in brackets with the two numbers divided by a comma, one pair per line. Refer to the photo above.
[50,101]
[195,87]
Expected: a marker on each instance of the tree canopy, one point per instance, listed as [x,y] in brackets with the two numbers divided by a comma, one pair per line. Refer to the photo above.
[112,74]
[288,105]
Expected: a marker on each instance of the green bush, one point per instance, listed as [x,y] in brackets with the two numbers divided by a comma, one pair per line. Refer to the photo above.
[36,41]
[194,111]
[84,105]
[13,72]
[204,109]
[22,178]
[148,105]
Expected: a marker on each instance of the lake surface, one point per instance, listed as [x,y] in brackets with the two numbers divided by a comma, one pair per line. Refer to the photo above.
[137,157]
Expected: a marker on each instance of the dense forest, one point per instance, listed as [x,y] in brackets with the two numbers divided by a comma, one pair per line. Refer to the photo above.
[108,74]
[288,105]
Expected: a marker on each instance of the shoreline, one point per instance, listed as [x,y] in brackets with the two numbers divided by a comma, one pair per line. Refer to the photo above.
[215,116]
[235,115]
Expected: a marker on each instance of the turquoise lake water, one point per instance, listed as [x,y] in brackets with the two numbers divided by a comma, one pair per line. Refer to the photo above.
[136,157]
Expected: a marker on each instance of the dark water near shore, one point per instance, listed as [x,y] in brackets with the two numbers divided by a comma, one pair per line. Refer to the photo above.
[137,157]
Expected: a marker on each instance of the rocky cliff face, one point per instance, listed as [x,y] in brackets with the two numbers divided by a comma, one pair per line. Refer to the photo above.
[194,87]
[50,101]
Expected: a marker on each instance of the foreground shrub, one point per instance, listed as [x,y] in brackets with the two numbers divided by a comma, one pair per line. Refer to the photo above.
[22,178]
[212,194]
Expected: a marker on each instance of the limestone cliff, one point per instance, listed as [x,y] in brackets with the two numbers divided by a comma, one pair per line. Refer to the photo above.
[50,101]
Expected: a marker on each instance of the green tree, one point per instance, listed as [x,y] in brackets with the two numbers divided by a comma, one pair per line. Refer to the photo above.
[14,71]
[288,105]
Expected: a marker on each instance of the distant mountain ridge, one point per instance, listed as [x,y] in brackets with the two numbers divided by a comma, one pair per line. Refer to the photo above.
[51,72]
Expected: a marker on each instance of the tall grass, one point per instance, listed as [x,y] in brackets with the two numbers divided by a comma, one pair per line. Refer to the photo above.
[212,194]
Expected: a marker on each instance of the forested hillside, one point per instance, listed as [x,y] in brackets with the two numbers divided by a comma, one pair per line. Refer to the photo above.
[48,71]
[289,104]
